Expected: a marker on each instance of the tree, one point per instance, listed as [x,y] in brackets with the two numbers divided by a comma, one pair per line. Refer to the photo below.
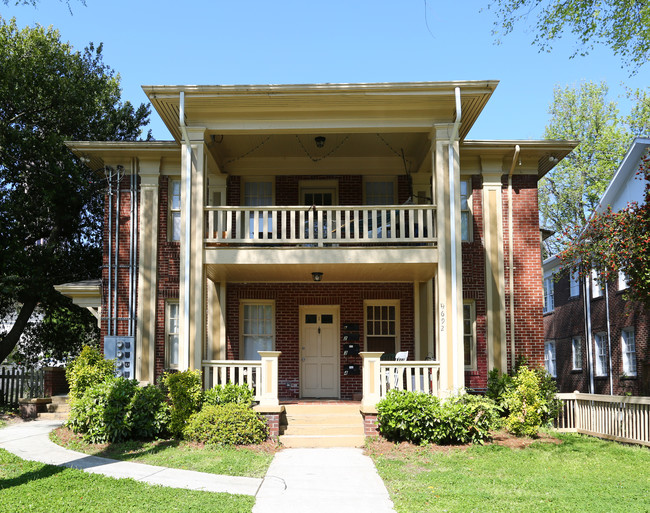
[50,202]
[617,241]
[623,25]
[570,192]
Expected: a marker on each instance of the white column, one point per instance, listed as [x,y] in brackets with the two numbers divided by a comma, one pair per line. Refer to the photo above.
[269,378]
[371,377]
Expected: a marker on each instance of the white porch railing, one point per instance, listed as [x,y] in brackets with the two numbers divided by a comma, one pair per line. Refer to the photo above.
[260,375]
[381,377]
[621,418]
[320,226]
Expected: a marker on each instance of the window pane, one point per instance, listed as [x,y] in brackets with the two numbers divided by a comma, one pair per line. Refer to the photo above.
[253,344]
[173,350]
[327,319]
[311,319]
[176,194]
[464,226]
[176,226]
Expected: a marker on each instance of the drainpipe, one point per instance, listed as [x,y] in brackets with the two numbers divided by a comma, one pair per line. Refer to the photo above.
[110,250]
[131,251]
[590,363]
[511,259]
[188,201]
[117,250]
[452,207]
[609,342]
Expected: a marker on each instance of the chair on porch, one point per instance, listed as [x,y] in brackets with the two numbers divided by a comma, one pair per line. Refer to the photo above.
[402,356]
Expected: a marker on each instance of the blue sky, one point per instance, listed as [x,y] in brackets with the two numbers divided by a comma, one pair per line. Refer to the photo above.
[301,41]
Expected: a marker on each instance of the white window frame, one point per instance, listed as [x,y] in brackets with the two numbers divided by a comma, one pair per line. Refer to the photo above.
[466,213]
[550,360]
[172,330]
[549,293]
[600,343]
[574,284]
[174,213]
[628,351]
[380,302]
[596,284]
[576,353]
[242,332]
[369,180]
[623,282]
[469,333]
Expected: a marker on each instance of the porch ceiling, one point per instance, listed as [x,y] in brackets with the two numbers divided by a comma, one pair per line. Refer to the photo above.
[337,265]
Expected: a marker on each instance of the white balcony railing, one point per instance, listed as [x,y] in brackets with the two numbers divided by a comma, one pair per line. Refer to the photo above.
[321,226]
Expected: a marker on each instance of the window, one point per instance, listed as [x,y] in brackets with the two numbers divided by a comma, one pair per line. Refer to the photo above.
[258,332]
[576,352]
[380,193]
[172,338]
[596,284]
[469,335]
[601,354]
[549,357]
[465,211]
[258,194]
[628,350]
[174,210]
[549,291]
[574,284]
[623,282]
[382,326]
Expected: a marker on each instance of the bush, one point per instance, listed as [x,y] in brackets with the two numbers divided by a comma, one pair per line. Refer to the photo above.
[421,418]
[185,394]
[226,424]
[228,393]
[118,409]
[87,369]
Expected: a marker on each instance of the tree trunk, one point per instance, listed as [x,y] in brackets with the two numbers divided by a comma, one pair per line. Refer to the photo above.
[10,340]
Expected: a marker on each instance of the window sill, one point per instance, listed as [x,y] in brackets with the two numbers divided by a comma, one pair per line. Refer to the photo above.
[576,371]
[625,377]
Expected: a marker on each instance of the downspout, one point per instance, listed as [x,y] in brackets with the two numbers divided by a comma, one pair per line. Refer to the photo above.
[511,259]
[590,363]
[188,200]
[131,250]
[609,341]
[452,207]
[136,223]
[117,251]
[110,249]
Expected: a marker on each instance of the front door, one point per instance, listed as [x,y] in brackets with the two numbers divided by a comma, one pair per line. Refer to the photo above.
[319,351]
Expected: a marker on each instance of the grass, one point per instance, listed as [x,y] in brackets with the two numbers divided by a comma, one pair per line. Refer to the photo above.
[580,474]
[35,487]
[231,461]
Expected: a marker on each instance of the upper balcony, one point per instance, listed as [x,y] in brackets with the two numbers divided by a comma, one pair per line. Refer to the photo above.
[321,226]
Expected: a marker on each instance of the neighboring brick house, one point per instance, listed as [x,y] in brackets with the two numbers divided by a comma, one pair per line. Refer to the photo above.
[584,350]
[304,218]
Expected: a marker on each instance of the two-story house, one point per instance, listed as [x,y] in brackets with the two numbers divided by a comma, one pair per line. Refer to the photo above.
[311,223]
[596,341]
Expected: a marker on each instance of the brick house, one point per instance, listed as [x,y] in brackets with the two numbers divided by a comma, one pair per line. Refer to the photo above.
[599,346]
[324,229]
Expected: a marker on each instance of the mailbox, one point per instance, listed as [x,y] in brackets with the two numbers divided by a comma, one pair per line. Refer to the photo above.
[350,337]
[349,326]
[351,370]
[351,349]
[122,350]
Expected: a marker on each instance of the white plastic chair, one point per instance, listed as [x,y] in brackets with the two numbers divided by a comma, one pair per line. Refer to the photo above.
[402,356]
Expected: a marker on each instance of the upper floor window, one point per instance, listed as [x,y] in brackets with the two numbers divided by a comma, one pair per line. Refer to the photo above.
[596,284]
[601,354]
[628,350]
[549,293]
[469,334]
[380,192]
[574,284]
[576,353]
[549,357]
[465,211]
[258,193]
[175,210]
[172,334]
[623,282]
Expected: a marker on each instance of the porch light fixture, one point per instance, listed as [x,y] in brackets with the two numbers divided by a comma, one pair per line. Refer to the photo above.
[320,142]
[317,276]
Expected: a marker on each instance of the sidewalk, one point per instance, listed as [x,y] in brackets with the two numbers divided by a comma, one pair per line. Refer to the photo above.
[298,480]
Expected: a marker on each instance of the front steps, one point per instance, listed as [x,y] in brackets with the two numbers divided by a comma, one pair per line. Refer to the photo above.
[322,425]
[58,409]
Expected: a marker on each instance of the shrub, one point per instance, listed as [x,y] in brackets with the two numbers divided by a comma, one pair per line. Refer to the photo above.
[118,409]
[228,393]
[421,418]
[184,390]
[86,370]
[226,424]
[525,403]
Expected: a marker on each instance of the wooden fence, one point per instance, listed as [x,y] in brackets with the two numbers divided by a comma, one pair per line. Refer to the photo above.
[20,382]
[613,417]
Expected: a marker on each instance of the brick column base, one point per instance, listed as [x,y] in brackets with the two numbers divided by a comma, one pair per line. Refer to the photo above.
[370,424]
[54,382]
[272,415]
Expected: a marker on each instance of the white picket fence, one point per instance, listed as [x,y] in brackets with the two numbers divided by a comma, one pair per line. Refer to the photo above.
[613,417]
[16,382]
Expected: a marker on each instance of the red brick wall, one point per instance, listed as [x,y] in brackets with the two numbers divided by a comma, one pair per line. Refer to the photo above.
[289,296]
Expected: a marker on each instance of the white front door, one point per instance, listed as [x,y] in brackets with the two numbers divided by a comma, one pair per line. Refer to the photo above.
[319,351]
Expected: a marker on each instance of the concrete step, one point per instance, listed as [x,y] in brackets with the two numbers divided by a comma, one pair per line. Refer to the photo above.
[323,408]
[53,416]
[325,430]
[58,408]
[60,399]
[295,441]
[322,419]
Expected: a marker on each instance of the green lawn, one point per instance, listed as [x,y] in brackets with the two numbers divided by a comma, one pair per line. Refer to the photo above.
[35,487]
[230,461]
[582,474]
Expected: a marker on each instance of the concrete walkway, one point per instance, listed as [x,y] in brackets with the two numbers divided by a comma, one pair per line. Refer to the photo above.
[298,480]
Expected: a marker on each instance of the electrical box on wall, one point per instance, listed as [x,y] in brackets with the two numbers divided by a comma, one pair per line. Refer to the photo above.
[122,350]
